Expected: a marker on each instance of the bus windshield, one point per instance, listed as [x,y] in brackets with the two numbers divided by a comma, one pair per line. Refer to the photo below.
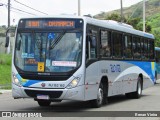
[48,51]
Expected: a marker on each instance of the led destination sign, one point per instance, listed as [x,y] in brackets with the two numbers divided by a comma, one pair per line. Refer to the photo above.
[61,23]
[39,24]
[51,23]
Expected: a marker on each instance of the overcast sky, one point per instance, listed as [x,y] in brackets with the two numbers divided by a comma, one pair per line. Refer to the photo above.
[57,7]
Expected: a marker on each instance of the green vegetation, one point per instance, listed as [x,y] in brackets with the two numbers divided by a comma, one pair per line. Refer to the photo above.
[154,21]
[2,31]
[133,16]
[5,71]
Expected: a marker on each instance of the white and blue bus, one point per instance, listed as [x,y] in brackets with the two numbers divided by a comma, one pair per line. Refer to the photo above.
[80,58]
[157,57]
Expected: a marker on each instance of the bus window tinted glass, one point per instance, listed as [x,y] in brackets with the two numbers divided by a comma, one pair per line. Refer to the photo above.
[136,48]
[151,49]
[117,45]
[105,50]
[145,49]
[127,46]
[91,44]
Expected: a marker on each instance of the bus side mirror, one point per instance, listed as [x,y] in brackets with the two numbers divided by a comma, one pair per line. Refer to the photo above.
[10,29]
[7,41]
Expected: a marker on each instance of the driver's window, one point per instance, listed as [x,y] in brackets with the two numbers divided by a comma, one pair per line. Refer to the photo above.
[91,44]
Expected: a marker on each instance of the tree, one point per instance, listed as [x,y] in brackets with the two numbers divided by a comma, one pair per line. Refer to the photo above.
[140,27]
[156,32]
[134,22]
[113,16]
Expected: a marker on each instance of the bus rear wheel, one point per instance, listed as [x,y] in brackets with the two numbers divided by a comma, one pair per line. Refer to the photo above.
[44,102]
[138,93]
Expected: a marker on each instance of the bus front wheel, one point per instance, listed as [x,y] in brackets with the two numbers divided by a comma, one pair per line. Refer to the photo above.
[44,102]
[100,97]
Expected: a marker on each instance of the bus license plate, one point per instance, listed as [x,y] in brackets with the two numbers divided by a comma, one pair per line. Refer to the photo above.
[43,97]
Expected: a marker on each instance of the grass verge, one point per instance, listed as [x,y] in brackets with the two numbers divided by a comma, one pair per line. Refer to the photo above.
[5,71]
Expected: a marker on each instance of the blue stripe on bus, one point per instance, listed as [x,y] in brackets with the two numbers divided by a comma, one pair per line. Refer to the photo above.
[147,67]
[27,82]
[31,82]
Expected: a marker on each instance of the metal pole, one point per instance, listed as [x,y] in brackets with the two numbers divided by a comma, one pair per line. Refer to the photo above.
[144,21]
[8,48]
[79,8]
[8,13]
[121,11]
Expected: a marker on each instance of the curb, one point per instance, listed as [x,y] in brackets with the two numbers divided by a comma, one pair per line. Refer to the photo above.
[5,91]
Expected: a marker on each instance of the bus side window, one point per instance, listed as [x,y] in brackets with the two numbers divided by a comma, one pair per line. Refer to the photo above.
[151,50]
[128,46]
[105,47]
[117,45]
[136,48]
[146,48]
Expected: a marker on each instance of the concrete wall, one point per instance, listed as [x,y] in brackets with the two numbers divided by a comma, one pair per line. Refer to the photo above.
[2,44]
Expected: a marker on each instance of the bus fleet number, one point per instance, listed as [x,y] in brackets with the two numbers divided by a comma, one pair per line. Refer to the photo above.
[115,68]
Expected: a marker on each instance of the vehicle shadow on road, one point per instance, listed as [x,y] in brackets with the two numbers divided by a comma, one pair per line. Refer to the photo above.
[64,106]
[121,98]
[77,106]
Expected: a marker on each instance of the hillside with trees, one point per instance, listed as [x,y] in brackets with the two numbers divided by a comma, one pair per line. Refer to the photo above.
[133,15]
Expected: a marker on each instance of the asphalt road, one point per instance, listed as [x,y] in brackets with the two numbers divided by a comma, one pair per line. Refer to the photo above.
[150,101]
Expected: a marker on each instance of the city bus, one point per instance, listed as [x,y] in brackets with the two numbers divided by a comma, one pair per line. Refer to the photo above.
[80,58]
[157,57]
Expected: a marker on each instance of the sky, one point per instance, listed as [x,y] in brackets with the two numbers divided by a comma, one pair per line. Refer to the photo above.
[58,7]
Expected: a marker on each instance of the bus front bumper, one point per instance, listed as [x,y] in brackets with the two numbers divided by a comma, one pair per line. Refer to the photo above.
[76,93]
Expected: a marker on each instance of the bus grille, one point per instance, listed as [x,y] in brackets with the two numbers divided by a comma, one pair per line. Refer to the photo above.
[52,94]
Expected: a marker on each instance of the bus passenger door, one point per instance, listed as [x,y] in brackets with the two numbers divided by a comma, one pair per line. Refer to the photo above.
[91,77]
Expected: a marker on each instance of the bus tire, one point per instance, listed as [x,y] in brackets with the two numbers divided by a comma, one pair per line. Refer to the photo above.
[100,97]
[105,93]
[44,102]
[138,93]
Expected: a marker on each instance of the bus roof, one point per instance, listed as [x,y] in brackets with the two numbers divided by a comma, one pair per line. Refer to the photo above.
[114,25]
[109,24]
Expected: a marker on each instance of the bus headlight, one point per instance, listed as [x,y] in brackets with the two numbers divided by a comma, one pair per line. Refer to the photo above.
[74,83]
[16,81]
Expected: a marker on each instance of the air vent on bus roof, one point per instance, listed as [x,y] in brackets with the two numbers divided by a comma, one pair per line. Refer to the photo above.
[88,16]
[119,23]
